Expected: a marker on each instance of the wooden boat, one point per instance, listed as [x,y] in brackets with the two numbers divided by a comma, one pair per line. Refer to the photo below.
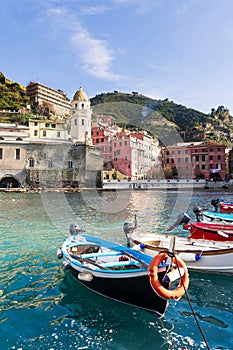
[222,206]
[214,230]
[201,255]
[120,273]
[210,216]
[210,231]
[198,254]
[226,207]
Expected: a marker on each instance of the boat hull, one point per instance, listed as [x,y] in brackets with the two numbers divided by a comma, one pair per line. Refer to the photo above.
[135,291]
[205,256]
[113,271]
[218,217]
[215,232]
[226,207]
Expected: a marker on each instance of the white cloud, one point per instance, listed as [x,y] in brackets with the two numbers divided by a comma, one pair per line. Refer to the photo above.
[95,56]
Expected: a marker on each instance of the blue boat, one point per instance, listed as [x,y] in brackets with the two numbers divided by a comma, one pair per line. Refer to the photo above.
[207,216]
[217,217]
[118,272]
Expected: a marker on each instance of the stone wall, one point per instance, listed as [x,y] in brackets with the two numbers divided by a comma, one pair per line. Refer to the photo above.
[51,164]
[69,166]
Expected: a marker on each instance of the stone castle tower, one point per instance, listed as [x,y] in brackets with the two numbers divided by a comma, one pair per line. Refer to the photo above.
[81,118]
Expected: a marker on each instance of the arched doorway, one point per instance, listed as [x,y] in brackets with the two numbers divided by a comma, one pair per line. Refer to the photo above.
[9,182]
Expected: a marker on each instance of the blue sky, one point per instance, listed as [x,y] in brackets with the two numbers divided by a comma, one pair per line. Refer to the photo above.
[176,49]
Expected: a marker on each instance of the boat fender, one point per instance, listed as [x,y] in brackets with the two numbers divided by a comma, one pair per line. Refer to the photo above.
[85,276]
[163,292]
[189,257]
[142,246]
[174,275]
[59,253]
[66,265]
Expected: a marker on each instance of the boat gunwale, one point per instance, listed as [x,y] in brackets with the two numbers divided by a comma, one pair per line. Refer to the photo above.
[133,265]
[204,226]
[219,251]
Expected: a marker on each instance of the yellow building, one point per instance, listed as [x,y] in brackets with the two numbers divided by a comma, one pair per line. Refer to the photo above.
[49,129]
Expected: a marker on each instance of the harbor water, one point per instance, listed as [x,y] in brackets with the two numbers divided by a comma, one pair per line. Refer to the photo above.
[43,307]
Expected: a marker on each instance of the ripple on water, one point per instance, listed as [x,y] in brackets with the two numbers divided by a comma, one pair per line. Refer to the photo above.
[42,307]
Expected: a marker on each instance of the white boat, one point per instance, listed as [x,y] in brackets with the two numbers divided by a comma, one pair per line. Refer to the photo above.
[209,256]
[200,255]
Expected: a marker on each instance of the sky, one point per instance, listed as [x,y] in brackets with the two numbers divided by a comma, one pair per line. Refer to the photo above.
[176,49]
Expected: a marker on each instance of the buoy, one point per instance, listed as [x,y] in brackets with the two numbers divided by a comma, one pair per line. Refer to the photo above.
[157,286]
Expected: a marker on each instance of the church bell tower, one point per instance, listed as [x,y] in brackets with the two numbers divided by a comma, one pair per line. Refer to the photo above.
[81,118]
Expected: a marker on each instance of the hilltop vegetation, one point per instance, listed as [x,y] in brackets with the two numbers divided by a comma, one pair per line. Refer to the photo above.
[163,117]
[173,112]
[12,95]
[167,120]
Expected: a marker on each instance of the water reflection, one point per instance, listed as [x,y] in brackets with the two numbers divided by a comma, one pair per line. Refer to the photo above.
[41,308]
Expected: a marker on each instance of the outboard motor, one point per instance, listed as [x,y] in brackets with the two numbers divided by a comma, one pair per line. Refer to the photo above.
[198,211]
[215,202]
[128,228]
[75,229]
[182,219]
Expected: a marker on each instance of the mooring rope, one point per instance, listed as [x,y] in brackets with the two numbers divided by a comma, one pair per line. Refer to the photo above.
[192,309]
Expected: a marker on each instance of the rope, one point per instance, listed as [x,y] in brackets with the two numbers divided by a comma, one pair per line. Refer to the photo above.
[193,312]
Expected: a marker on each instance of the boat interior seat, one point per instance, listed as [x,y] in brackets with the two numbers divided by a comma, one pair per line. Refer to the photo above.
[84,249]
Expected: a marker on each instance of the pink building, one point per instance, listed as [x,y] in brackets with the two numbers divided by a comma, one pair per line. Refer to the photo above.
[101,140]
[132,153]
[198,159]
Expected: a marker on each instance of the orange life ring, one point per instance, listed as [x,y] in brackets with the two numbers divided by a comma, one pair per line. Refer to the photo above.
[155,283]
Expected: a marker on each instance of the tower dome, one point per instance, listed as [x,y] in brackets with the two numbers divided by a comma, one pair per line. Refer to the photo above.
[80,95]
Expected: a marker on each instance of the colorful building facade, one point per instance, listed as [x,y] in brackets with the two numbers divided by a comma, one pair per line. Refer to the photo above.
[195,160]
[134,154]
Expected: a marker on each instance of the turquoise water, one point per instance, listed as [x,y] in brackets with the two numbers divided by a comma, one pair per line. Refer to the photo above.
[42,307]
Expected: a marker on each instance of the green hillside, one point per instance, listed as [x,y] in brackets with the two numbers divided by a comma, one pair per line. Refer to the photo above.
[163,117]
[173,112]
[12,95]
[168,121]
